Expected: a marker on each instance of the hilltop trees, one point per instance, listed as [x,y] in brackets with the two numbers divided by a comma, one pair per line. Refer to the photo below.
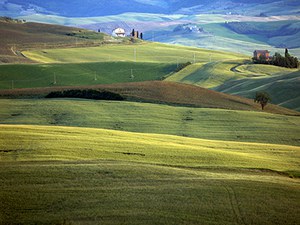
[262,98]
[287,60]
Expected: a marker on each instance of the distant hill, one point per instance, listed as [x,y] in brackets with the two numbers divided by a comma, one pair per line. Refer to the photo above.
[76,8]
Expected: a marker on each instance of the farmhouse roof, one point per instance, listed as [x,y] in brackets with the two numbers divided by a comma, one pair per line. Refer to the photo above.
[119,31]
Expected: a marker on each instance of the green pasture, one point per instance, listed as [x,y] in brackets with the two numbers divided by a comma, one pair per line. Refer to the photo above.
[217,124]
[245,79]
[283,86]
[216,73]
[102,65]
[145,52]
[208,75]
[67,175]
[70,74]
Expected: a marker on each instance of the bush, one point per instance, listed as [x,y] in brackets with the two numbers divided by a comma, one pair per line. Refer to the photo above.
[182,66]
[88,94]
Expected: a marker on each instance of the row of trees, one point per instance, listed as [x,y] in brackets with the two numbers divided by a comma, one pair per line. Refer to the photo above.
[136,34]
[287,60]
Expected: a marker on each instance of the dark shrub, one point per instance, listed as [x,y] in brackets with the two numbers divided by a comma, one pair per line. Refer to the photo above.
[88,94]
[182,66]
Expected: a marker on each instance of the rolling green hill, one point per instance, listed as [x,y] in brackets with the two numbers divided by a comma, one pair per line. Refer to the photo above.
[78,74]
[218,124]
[71,161]
[284,89]
[18,36]
[107,63]
[244,79]
[84,175]
[160,92]
[143,52]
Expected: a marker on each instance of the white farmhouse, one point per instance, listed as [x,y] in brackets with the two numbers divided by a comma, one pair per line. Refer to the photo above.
[119,32]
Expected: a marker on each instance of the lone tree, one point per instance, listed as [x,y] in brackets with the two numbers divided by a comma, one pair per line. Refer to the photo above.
[262,98]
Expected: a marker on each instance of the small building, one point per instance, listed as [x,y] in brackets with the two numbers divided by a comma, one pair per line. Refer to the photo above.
[119,32]
[257,54]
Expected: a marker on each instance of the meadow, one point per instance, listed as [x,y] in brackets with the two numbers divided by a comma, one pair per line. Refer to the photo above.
[75,74]
[101,65]
[95,176]
[216,124]
[142,52]
[220,71]
[240,77]
[173,153]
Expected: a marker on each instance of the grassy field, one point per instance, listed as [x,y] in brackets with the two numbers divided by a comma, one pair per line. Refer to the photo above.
[207,75]
[215,124]
[21,36]
[59,175]
[159,92]
[71,161]
[109,63]
[145,52]
[283,87]
[72,74]
[244,79]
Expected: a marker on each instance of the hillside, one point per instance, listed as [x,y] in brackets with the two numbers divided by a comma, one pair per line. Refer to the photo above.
[244,79]
[80,74]
[162,92]
[84,175]
[106,7]
[213,124]
[141,52]
[233,33]
[19,35]
[284,89]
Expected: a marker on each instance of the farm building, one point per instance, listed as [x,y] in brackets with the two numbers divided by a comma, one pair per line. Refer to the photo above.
[257,54]
[119,32]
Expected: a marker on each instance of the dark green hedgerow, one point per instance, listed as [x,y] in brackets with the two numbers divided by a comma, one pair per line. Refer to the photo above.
[88,94]
[182,66]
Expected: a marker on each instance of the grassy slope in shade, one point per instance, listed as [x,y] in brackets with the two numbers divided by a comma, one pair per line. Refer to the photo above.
[71,74]
[87,176]
[150,118]
[234,77]
[207,75]
[283,89]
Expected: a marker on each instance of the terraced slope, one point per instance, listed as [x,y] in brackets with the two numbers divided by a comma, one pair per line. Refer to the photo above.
[83,175]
